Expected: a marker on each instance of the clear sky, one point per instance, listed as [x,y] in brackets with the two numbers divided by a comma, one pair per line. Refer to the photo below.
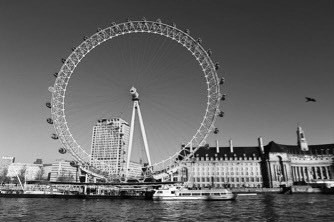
[272,54]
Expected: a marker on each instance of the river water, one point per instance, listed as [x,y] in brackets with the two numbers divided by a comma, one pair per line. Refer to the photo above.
[263,207]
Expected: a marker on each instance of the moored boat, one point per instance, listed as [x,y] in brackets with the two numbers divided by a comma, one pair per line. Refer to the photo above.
[183,193]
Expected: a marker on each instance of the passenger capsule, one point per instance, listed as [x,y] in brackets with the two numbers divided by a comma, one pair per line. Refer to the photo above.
[217,66]
[73,163]
[99,29]
[63,60]
[62,150]
[113,24]
[221,81]
[54,136]
[48,104]
[216,131]
[207,146]
[144,19]
[221,114]
[73,49]
[223,97]
[187,31]
[174,25]
[209,52]
[55,74]
[51,89]
[49,120]
[199,41]
[158,20]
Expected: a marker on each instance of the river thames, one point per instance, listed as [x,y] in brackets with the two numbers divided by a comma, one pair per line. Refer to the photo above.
[263,207]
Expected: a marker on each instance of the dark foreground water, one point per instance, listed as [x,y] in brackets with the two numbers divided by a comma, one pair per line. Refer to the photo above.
[263,207]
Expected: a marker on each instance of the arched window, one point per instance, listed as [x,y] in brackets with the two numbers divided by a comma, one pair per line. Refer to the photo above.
[280,170]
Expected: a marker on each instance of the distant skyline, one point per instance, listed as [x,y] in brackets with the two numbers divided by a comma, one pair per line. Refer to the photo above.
[272,55]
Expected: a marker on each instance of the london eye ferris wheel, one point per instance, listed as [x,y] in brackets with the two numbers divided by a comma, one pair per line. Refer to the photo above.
[202,56]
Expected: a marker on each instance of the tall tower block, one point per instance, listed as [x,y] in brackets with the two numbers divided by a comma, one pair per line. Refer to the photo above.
[110,140]
[301,140]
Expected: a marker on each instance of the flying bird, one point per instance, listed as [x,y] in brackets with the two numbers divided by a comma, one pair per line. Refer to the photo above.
[308,99]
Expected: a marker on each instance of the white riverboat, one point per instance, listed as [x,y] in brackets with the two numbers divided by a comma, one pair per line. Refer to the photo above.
[43,192]
[183,193]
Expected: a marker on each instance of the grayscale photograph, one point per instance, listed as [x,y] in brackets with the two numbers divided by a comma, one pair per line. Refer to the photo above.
[166,110]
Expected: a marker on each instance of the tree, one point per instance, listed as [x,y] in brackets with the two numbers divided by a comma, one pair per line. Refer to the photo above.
[22,175]
[40,173]
[3,176]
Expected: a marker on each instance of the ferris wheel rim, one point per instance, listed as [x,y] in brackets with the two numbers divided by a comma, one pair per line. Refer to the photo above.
[102,35]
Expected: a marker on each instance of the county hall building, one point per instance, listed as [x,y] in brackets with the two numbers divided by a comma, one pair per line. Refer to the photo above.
[269,166]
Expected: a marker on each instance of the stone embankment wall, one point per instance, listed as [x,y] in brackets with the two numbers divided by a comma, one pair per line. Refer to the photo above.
[256,190]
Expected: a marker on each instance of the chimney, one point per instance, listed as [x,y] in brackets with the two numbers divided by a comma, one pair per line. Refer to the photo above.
[217,146]
[231,146]
[260,141]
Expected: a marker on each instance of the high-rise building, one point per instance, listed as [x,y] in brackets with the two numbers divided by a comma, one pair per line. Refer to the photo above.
[110,139]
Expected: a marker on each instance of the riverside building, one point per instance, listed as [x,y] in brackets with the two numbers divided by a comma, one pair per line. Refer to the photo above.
[5,161]
[110,139]
[62,171]
[272,165]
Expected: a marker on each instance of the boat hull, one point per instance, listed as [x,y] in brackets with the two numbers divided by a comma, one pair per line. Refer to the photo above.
[181,193]
[65,196]
[140,195]
[204,198]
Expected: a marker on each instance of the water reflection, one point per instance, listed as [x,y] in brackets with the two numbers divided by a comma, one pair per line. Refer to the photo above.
[269,212]
[263,207]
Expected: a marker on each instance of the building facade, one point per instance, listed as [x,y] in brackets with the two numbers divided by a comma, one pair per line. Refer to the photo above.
[135,170]
[62,171]
[5,161]
[110,139]
[272,165]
